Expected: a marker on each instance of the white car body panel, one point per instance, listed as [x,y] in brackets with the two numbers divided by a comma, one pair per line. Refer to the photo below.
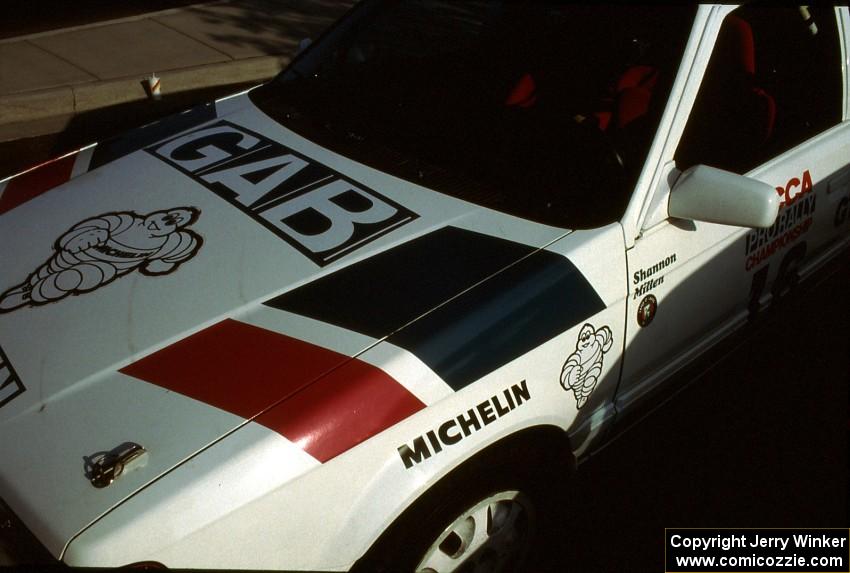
[164,311]
[362,488]
[345,503]
[227,482]
[690,283]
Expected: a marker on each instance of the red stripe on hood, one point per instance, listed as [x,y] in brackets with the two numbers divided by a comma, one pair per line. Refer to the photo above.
[244,369]
[346,407]
[33,183]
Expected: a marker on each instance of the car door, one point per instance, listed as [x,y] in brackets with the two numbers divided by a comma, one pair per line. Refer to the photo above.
[769,104]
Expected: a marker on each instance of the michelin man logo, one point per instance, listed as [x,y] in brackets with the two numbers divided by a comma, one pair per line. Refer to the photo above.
[583,367]
[99,250]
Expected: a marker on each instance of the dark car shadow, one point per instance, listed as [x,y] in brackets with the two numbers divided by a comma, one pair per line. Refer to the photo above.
[759,439]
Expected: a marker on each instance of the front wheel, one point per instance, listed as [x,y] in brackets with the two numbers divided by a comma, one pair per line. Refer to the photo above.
[492,514]
[492,536]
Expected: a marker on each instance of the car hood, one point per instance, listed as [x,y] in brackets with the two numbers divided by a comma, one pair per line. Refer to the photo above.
[179,283]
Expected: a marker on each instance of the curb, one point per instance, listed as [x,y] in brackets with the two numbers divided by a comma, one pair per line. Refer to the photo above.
[48,111]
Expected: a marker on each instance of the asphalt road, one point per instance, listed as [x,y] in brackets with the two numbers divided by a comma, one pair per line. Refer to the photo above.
[761,440]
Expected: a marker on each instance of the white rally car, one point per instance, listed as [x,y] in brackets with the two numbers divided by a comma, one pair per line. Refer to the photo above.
[342,319]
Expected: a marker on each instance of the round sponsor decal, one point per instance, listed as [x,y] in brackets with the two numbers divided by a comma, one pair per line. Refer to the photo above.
[646,310]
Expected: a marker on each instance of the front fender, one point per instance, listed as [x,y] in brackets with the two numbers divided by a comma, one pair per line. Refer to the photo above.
[251,502]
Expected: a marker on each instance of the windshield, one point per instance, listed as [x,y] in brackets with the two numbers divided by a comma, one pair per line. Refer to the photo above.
[541,110]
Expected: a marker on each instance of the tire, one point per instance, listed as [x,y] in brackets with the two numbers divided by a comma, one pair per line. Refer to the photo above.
[486,516]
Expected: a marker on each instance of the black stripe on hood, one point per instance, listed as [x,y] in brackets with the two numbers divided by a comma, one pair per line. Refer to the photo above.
[540,296]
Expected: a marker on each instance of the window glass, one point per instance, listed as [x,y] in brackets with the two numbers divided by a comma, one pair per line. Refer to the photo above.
[773,81]
[543,110]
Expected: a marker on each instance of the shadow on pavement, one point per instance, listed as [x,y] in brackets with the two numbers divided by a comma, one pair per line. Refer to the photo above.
[99,125]
[20,19]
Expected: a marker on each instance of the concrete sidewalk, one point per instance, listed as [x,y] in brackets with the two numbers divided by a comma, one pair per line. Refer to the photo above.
[47,79]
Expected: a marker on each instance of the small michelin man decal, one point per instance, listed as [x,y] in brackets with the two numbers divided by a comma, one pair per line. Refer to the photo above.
[99,250]
[583,367]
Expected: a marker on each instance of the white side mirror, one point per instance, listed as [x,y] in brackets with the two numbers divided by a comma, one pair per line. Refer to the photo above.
[704,193]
